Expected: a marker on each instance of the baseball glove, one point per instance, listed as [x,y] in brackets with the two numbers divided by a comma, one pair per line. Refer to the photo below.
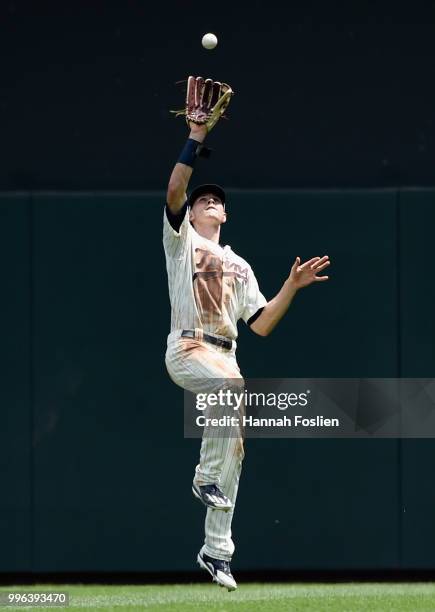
[206,101]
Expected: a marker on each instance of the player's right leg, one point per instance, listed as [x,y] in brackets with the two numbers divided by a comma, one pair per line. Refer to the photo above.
[199,367]
[212,496]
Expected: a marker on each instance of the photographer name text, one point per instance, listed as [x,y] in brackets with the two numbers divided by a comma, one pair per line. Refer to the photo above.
[249,421]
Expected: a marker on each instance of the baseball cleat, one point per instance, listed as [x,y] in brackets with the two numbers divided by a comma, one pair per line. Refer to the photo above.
[219,570]
[212,497]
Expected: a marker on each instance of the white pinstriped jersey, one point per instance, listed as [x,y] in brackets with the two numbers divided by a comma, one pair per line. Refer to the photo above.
[210,287]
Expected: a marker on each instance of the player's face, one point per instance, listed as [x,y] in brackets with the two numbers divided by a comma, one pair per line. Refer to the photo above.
[208,207]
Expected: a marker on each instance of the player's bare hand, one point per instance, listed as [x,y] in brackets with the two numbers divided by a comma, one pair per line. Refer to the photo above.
[302,275]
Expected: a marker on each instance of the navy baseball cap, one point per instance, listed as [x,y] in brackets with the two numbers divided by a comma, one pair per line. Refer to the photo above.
[206,188]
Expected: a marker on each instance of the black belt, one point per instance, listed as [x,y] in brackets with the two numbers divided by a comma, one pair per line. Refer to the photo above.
[226,344]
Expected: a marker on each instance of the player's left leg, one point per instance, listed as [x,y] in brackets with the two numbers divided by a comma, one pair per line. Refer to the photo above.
[193,365]
[218,541]
[219,569]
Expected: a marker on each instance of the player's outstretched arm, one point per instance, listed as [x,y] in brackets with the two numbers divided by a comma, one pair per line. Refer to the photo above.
[300,276]
[179,180]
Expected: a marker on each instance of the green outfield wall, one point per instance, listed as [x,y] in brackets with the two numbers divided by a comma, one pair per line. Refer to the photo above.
[92,432]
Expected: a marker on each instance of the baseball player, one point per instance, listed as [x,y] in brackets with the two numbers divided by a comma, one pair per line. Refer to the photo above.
[210,289]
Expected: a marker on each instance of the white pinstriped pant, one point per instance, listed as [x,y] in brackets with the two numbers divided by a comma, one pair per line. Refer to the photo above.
[191,363]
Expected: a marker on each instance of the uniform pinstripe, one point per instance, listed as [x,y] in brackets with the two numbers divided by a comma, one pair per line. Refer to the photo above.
[210,289]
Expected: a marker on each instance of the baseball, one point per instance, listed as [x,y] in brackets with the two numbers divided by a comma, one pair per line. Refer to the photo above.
[209,41]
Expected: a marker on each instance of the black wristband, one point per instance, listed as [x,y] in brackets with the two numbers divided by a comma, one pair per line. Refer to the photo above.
[188,154]
[191,150]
